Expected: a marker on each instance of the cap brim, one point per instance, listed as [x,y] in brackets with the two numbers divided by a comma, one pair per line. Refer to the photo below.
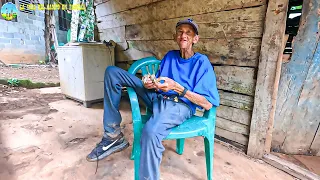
[191,24]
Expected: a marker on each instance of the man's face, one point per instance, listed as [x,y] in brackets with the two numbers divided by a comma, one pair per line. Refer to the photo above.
[185,36]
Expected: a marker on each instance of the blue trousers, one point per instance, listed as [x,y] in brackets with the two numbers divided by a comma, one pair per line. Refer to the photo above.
[166,115]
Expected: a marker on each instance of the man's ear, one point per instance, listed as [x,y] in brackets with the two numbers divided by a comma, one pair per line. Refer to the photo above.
[195,39]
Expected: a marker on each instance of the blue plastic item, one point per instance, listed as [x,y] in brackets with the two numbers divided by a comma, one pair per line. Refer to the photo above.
[195,126]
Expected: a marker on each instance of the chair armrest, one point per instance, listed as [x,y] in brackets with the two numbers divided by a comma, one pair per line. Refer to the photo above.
[211,113]
[136,115]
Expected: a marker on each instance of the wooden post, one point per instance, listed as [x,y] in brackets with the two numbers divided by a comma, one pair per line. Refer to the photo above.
[275,25]
[274,97]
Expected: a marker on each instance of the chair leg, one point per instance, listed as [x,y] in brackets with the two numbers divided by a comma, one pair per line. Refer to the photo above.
[180,146]
[209,149]
[132,153]
[137,152]
[136,149]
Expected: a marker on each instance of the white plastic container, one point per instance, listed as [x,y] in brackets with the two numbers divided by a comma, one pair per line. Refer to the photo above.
[81,70]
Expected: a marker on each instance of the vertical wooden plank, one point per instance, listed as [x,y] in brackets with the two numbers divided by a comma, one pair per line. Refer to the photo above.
[274,96]
[275,24]
[297,116]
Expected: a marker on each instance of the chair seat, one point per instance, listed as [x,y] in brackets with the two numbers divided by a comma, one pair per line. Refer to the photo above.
[194,126]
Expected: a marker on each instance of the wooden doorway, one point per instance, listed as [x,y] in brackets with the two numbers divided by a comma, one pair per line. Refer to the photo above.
[286,110]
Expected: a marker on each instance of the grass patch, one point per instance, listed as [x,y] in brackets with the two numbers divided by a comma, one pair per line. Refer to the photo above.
[26,83]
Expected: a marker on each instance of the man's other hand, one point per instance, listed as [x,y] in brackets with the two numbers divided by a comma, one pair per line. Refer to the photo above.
[168,84]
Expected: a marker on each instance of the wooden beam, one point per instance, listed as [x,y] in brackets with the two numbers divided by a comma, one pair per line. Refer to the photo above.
[106,7]
[255,14]
[164,30]
[235,79]
[130,54]
[290,168]
[275,25]
[239,101]
[233,114]
[157,11]
[274,96]
[241,52]
[115,34]
[232,126]
[236,137]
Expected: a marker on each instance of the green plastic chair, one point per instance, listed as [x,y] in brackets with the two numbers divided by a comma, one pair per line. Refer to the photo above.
[195,126]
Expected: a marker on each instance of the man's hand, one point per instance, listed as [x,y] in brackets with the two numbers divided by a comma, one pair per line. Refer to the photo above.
[170,84]
[167,85]
[147,83]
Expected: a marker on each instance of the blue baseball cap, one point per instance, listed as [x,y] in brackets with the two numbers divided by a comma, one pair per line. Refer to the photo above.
[191,23]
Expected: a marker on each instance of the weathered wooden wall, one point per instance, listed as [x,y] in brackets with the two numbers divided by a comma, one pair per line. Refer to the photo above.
[230,32]
[297,119]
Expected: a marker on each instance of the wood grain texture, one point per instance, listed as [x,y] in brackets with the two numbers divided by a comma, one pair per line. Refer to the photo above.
[130,54]
[236,137]
[115,34]
[159,30]
[275,24]
[236,79]
[156,12]
[241,52]
[106,7]
[298,111]
[232,126]
[270,123]
[234,114]
[239,101]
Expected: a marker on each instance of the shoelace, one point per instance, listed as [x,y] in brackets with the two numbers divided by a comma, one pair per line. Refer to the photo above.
[97,158]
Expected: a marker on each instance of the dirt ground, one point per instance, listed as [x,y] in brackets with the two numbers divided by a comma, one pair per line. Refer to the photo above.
[44,136]
[44,74]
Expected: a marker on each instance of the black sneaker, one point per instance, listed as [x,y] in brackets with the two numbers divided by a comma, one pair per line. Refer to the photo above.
[108,146]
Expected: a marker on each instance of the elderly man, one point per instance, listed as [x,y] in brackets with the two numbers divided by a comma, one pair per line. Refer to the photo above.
[189,82]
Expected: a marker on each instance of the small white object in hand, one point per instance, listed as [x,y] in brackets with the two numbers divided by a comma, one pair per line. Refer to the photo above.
[145,78]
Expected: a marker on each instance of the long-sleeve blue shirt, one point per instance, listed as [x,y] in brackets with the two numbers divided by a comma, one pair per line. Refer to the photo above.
[195,73]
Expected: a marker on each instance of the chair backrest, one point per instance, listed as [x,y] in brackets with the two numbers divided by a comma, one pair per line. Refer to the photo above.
[146,65]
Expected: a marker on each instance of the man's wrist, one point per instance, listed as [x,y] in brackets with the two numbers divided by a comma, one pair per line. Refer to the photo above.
[184,91]
[178,88]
